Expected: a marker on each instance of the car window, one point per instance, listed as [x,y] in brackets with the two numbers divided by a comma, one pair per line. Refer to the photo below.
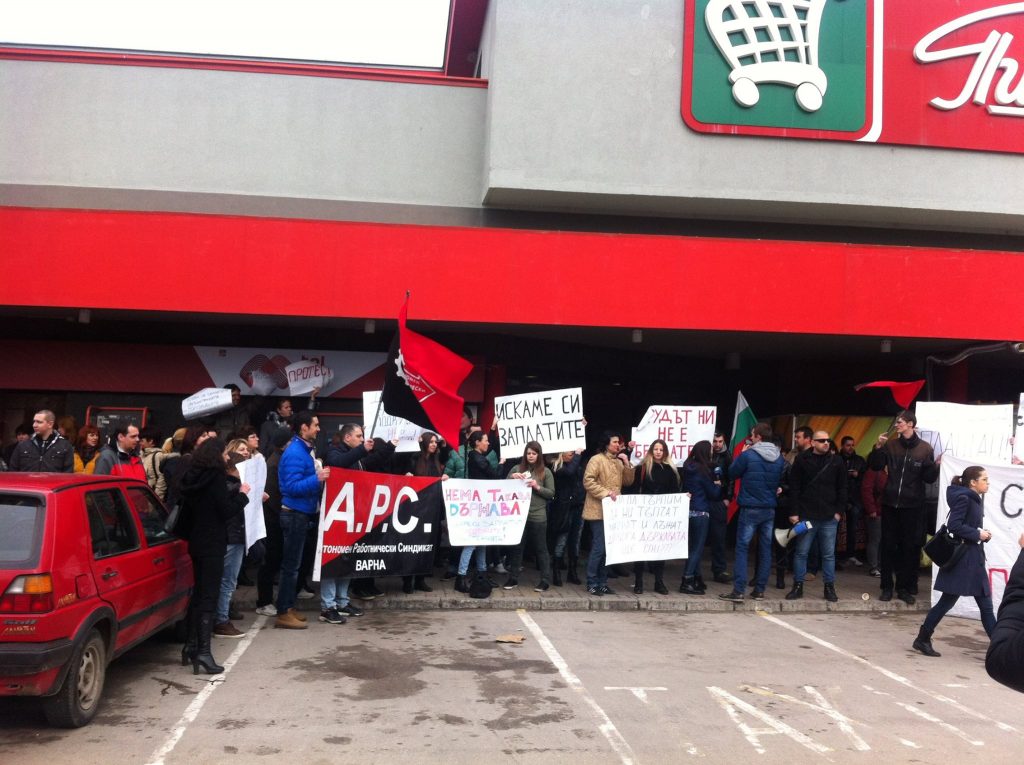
[151,514]
[110,523]
[21,530]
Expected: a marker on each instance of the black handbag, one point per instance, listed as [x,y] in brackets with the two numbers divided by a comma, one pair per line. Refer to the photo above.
[945,548]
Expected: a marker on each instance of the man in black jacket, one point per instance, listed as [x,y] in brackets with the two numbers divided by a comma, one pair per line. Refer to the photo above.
[1005,659]
[721,459]
[855,466]
[910,463]
[46,452]
[817,490]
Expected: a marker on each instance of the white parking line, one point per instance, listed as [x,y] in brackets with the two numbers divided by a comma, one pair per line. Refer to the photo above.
[606,726]
[887,673]
[193,709]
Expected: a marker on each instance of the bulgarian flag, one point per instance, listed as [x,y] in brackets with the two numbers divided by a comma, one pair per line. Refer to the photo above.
[742,423]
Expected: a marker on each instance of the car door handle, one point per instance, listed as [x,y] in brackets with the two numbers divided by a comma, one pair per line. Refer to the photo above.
[109,574]
[158,561]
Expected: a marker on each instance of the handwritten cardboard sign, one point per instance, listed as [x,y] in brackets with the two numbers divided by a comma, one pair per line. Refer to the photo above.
[483,513]
[553,418]
[640,527]
[679,426]
[205,402]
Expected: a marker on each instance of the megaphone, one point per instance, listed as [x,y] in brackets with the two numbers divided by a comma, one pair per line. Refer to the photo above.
[785,536]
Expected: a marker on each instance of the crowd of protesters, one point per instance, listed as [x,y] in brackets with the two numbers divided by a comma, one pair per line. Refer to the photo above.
[806,492]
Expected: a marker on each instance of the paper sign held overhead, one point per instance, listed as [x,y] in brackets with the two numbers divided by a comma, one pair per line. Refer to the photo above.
[206,402]
[387,426]
[678,426]
[553,418]
[304,376]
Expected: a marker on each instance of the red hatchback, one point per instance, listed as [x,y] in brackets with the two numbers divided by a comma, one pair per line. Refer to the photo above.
[86,572]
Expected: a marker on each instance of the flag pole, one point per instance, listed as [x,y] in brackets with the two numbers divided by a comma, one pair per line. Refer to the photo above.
[380,400]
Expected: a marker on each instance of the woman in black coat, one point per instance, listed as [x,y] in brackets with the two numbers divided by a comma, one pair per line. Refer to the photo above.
[657,476]
[1005,659]
[968,576]
[208,506]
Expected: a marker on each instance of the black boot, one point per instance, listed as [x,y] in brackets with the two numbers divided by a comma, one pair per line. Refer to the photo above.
[688,586]
[830,592]
[659,586]
[460,583]
[571,576]
[797,592]
[698,584]
[421,585]
[204,659]
[780,578]
[188,651]
[556,577]
[923,643]
[638,585]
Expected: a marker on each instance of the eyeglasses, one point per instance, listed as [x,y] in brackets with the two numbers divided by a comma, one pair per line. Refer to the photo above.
[820,440]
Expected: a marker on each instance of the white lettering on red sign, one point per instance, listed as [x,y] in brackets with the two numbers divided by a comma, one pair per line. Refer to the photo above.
[990,61]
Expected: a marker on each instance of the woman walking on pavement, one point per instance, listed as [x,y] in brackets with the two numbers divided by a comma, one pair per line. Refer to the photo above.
[968,576]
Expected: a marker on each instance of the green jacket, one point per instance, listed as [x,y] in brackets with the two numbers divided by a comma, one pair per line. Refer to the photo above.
[540,497]
[455,467]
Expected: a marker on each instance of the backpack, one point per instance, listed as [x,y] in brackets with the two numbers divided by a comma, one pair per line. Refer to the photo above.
[480,587]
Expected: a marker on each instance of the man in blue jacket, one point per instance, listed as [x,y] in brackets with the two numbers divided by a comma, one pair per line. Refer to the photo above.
[760,468]
[301,480]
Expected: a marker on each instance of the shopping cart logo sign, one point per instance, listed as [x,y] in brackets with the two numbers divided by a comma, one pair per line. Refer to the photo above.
[779,65]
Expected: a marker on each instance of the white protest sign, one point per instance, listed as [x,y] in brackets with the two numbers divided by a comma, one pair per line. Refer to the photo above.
[641,527]
[254,472]
[481,513]
[679,426]
[1018,439]
[387,426]
[205,402]
[553,418]
[305,375]
[981,433]
[1004,517]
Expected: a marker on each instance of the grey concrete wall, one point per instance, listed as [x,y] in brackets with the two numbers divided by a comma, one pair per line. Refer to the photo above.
[126,127]
[585,115]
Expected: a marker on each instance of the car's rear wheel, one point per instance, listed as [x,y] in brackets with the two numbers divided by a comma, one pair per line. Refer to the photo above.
[78,700]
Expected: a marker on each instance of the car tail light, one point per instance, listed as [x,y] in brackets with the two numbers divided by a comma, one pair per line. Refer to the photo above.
[31,594]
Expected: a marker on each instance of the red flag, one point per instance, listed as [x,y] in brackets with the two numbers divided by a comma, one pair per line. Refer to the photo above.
[903,393]
[422,380]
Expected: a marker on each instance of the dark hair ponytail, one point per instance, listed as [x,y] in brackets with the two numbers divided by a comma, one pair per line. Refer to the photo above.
[973,473]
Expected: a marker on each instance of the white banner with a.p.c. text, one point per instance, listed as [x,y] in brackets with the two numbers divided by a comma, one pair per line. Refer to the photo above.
[641,527]
[481,513]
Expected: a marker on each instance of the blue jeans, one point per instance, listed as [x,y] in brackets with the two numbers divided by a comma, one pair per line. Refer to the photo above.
[699,525]
[759,520]
[334,592]
[294,527]
[467,553]
[825,533]
[948,600]
[596,575]
[232,565]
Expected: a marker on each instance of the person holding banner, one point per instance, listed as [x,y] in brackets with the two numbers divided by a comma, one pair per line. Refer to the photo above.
[705,490]
[427,463]
[606,474]
[477,466]
[657,476]
[969,575]
[540,479]
[1004,661]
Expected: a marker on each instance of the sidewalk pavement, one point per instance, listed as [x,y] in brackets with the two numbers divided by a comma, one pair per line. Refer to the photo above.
[857,591]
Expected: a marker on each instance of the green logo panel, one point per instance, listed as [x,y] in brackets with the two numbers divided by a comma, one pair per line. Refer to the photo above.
[761,41]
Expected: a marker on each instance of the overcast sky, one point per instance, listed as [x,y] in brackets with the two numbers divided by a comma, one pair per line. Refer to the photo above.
[408,33]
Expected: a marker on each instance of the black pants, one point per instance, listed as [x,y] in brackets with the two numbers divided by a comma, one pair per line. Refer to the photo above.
[902,539]
[207,571]
[657,568]
[536,535]
[716,536]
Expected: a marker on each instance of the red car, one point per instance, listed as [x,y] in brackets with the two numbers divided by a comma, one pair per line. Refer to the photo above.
[87,571]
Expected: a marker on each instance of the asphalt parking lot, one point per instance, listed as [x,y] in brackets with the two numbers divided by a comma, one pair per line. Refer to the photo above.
[595,687]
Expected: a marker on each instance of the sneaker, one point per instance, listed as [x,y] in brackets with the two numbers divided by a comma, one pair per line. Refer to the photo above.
[875,572]
[305,594]
[735,597]
[227,630]
[331,616]
[542,587]
[296,614]
[268,610]
[594,591]
[853,561]
[351,610]
[606,590]
[510,583]
[757,595]
[287,621]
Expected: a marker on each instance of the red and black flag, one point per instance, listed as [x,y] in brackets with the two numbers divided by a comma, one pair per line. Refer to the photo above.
[903,393]
[421,382]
